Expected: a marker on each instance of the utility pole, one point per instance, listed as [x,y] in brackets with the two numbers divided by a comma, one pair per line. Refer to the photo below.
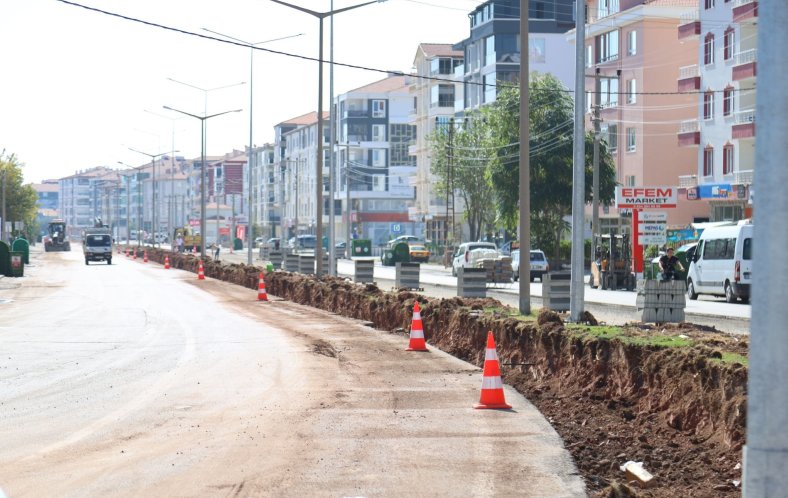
[3,224]
[576,292]
[525,167]
[450,186]
[766,452]
[348,250]
[595,187]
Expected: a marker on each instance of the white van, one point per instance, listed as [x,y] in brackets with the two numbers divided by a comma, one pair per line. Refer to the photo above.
[722,264]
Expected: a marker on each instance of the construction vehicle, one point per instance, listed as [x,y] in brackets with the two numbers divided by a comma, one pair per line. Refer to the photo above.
[612,265]
[97,243]
[191,239]
[56,239]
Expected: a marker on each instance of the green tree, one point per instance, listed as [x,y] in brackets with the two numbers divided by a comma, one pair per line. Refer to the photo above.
[460,155]
[20,200]
[551,115]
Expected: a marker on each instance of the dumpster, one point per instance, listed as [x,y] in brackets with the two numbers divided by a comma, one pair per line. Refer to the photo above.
[361,248]
[23,246]
[17,264]
[5,259]
[397,253]
[238,244]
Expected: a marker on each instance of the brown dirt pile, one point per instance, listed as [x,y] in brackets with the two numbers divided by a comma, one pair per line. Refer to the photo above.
[679,410]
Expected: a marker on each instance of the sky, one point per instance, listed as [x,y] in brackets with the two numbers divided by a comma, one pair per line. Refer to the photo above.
[79,88]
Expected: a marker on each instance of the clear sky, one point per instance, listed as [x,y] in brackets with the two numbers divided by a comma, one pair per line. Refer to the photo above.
[79,87]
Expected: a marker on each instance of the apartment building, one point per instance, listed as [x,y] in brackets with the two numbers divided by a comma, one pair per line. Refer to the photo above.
[262,180]
[722,133]
[633,59]
[375,168]
[433,102]
[90,194]
[492,50]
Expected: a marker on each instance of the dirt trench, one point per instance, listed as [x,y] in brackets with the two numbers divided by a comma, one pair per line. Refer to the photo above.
[679,410]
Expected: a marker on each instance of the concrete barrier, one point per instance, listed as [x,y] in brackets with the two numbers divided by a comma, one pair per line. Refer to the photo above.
[276,258]
[407,276]
[291,262]
[365,271]
[472,282]
[662,302]
[306,264]
[555,290]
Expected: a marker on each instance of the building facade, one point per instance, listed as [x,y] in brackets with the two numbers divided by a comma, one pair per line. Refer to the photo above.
[722,132]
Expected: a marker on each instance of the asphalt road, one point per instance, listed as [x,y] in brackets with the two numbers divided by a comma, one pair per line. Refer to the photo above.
[131,380]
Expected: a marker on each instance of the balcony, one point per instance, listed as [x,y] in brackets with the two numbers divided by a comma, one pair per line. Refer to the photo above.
[744,177]
[688,181]
[356,113]
[744,10]
[689,133]
[744,124]
[689,25]
[689,78]
[744,65]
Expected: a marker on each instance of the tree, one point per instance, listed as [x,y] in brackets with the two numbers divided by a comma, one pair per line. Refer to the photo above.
[551,158]
[20,200]
[459,159]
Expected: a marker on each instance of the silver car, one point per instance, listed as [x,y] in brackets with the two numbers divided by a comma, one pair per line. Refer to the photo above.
[539,264]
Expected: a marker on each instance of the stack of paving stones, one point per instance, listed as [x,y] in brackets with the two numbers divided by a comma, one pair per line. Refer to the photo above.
[662,302]
[497,270]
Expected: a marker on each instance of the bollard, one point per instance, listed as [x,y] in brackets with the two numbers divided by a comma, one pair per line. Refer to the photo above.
[555,290]
[472,282]
[407,276]
[365,270]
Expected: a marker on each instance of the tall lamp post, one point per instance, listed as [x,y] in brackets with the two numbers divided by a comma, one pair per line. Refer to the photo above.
[251,121]
[202,119]
[153,158]
[319,173]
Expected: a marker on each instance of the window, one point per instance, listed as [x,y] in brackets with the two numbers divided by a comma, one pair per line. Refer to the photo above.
[631,145]
[400,137]
[489,50]
[746,251]
[441,65]
[611,137]
[708,49]
[507,48]
[589,55]
[708,105]
[378,133]
[630,181]
[379,183]
[489,87]
[379,157]
[727,159]
[378,108]
[709,4]
[632,43]
[606,8]
[727,101]
[607,47]
[442,96]
[728,42]
[708,161]
[631,91]
[608,89]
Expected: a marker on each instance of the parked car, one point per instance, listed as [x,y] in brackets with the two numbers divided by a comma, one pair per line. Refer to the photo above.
[539,264]
[419,253]
[302,242]
[722,263]
[462,257]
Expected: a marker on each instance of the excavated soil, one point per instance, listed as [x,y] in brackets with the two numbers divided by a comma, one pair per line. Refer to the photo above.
[680,410]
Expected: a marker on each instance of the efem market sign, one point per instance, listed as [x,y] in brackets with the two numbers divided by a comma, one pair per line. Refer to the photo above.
[646,197]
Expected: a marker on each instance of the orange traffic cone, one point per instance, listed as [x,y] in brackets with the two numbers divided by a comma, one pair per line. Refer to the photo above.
[127,252]
[492,387]
[194,249]
[145,256]
[417,331]
[201,272]
[166,262]
[261,294]
[135,254]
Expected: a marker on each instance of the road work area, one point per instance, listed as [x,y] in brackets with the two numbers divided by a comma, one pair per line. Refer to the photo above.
[132,380]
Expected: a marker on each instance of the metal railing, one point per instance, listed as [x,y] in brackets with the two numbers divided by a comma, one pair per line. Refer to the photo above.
[746,57]
[743,177]
[689,17]
[739,3]
[689,126]
[689,71]
[745,117]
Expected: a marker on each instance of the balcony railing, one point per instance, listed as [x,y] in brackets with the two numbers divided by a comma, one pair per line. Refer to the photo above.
[743,177]
[688,181]
[745,117]
[686,72]
[739,3]
[689,126]
[689,17]
[746,57]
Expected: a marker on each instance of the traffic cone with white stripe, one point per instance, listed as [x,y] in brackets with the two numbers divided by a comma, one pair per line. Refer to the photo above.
[201,272]
[492,386]
[127,252]
[145,256]
[135,254]
[262,295]
[417,331]
[166,262]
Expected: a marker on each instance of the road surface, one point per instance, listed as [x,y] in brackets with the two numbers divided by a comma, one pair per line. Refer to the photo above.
[131,380]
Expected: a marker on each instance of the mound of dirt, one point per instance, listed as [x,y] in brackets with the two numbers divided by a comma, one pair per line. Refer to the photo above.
[680,410]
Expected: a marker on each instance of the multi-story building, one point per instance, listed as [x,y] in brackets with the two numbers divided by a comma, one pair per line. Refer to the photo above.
[262,181]
[492,51]
[722,133]
[433,101]
[90,194]
[375,168]
[48,193]
[632,64]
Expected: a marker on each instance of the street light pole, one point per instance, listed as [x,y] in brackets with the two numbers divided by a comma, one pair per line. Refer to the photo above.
[319,172]
[250,235]
[202,119]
